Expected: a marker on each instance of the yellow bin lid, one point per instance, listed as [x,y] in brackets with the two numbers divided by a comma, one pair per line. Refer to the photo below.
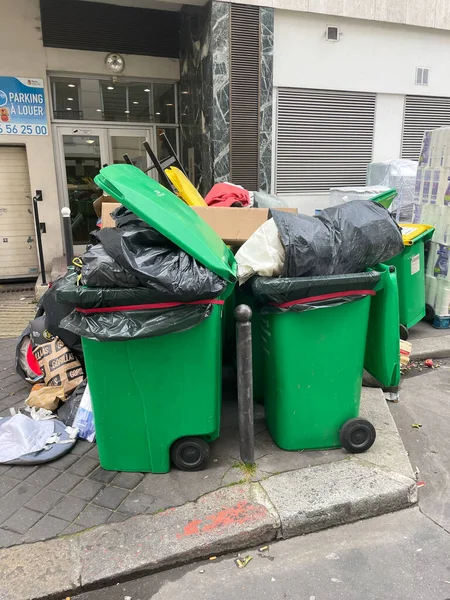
[411,231]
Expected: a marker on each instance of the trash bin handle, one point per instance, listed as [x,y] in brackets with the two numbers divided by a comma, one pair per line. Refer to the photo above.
[326,297]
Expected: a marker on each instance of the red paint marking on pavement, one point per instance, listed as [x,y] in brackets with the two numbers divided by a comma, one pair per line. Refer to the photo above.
[241,513]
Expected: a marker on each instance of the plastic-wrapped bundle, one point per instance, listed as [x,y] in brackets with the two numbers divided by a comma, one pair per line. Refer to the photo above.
[343,239]
[401,175]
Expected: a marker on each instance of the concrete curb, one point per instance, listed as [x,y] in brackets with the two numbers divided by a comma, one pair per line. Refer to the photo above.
[228,519]
[432,347]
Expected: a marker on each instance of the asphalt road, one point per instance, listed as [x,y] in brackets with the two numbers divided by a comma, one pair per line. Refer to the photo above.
[400,556]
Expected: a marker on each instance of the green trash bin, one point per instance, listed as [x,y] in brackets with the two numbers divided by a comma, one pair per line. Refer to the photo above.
[314,338]
[410,266]
[160,397]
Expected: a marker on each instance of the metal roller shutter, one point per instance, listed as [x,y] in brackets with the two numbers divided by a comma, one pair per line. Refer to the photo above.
[18,257]
[422,113]
[244,95]
[324,139]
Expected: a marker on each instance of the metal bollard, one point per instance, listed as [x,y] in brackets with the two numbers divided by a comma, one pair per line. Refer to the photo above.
[243,315]
[68,239]
[37,224]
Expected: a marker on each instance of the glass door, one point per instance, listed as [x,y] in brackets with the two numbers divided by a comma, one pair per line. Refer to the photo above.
[82,152]
[124,141]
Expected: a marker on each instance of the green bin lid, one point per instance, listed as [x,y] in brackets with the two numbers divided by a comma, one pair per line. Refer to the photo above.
[385,198]
[161,209]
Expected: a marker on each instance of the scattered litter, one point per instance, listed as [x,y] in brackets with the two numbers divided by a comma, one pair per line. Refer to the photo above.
[127,598]
[202,571]
[243,562]
[416,425]
[405,353]
[419,365]
[334,580]
[273,579]
[40,414]
[392,397]
[420,484]
[419,550]
[332,556]
[264,549]
[213,558]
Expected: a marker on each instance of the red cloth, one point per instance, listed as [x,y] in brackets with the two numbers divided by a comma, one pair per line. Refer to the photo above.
[226,194]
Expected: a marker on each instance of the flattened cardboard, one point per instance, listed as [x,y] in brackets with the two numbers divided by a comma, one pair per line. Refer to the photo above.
[98,204]
[107,209]
[233,225]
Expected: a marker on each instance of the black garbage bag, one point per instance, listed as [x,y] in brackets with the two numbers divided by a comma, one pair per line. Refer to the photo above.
[100,268]
[68,409]
[163,268]
[123,325]
[92,297]
[55,312]
[297,294]
[342,239]
[26,369]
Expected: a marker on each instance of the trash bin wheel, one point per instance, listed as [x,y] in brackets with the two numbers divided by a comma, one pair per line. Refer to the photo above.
[429,313]
[357,435]
[404,333]
[190,454]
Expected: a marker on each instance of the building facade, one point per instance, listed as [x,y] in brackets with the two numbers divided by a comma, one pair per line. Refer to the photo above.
[288,96]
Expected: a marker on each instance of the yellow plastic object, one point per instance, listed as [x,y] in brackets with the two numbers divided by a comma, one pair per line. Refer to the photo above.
[186,190]
[411,231]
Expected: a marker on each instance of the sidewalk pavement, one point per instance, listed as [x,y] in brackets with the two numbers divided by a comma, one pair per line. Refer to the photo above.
[17,307]
[179,517]
[428,342]
[101,526]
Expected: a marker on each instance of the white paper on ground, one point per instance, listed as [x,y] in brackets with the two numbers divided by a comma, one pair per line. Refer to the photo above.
[21,435]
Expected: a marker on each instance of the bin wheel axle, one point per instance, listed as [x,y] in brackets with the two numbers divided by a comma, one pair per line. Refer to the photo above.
[190,453]
[429,313]
[404,333]
[357,435]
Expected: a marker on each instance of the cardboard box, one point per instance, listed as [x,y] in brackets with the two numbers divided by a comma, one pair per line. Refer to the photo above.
[233,225]
[105,198]
[107,208]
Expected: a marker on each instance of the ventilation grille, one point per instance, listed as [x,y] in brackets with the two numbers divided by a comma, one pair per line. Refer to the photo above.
[332,33]
[109,28]
[324,139]
[244,95]
[422,113]
[422,75]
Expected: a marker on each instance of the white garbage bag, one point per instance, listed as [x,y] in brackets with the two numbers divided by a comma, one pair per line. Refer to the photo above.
[21,435]
[262,254]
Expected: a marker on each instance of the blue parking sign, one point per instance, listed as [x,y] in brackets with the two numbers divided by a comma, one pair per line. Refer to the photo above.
[22,106]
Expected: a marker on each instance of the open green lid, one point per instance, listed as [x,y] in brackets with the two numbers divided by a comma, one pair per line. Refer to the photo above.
[385,198]
[169,215]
